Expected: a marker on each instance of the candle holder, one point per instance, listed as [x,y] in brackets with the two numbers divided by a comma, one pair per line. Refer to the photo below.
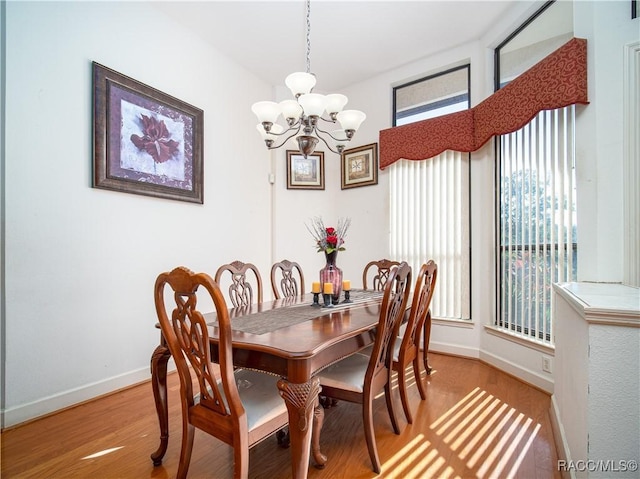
[326,298]
[316,302]
[347,297]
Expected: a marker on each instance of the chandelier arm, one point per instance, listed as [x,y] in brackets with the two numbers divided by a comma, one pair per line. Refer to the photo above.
[332,137]
[295,126]
[331,120]
[325,141]
[273,147]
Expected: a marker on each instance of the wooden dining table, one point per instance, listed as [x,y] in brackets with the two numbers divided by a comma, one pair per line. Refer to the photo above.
[293,339]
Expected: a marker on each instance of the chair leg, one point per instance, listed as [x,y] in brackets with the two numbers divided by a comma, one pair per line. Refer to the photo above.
[369,433]
[426,362]
[318,420]
[390,408]
[327,402]
[240,459]
[416,374]
[283,438]
[427,337]
[404,397]
[188,431]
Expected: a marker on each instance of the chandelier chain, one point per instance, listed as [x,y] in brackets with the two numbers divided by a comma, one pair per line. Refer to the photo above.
[303,115]
[308,36]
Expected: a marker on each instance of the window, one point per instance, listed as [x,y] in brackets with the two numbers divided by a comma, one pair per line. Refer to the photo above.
[536,197]
[432,96]
[429,200]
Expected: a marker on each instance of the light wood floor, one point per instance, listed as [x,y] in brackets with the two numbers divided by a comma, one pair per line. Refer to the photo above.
[477,422]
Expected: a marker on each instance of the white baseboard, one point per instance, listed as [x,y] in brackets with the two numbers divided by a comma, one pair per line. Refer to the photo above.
[508,367]
[560,439]
[526,375]
[454,349]
[26,412]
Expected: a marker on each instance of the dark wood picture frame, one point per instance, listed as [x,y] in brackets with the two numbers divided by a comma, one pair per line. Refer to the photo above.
[145,141]
[359,166]
[305,173]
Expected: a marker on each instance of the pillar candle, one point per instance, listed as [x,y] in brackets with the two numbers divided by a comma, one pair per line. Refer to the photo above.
[346,285]
[315,287]
[328,288]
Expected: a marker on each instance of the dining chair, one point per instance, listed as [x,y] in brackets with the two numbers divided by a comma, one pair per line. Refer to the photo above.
[241,294]
[380,270]
[240,408]
[358,378]
[241,290]
[407,347]
[287,279]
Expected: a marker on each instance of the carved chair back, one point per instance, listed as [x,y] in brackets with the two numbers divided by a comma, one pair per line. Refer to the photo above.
[246,283]
[287,279]
[406,352]
[380,270]
[394,303]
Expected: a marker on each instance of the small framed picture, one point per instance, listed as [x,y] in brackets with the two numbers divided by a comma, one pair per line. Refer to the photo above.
[305,173]
[145,142]
[360,166]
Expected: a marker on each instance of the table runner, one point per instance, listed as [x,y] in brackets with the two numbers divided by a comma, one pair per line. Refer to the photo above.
[274,319]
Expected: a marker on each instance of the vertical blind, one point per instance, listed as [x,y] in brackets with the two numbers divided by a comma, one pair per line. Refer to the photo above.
[537,221]
[429,215]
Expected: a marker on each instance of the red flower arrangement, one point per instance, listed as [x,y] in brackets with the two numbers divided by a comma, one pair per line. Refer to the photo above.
[329,239]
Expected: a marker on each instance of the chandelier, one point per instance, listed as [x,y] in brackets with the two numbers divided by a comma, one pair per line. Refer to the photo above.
[306,115]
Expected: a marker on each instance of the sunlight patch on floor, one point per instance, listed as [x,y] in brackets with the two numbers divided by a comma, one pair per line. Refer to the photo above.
[461,433]
[417,460]
[475,439]
[452,410]
[411,381]
[415,448]
[520,458]
[102,453]
[491,439]
[496,435]
[462,412]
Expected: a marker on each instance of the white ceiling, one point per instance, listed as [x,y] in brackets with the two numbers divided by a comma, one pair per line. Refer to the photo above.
[351,40]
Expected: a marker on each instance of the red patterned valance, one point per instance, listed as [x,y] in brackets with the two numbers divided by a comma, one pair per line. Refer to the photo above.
[555,82]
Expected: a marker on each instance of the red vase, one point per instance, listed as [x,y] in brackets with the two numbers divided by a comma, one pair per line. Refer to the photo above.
[332,274]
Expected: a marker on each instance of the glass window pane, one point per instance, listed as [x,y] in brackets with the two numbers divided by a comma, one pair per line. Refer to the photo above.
[536,196]
[548,30]
[432,96]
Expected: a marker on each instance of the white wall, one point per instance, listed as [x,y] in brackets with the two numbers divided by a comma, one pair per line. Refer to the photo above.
[607,26]
[81,262]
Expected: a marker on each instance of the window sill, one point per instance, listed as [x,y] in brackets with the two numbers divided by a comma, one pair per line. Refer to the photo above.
[456,323]
[529,343]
